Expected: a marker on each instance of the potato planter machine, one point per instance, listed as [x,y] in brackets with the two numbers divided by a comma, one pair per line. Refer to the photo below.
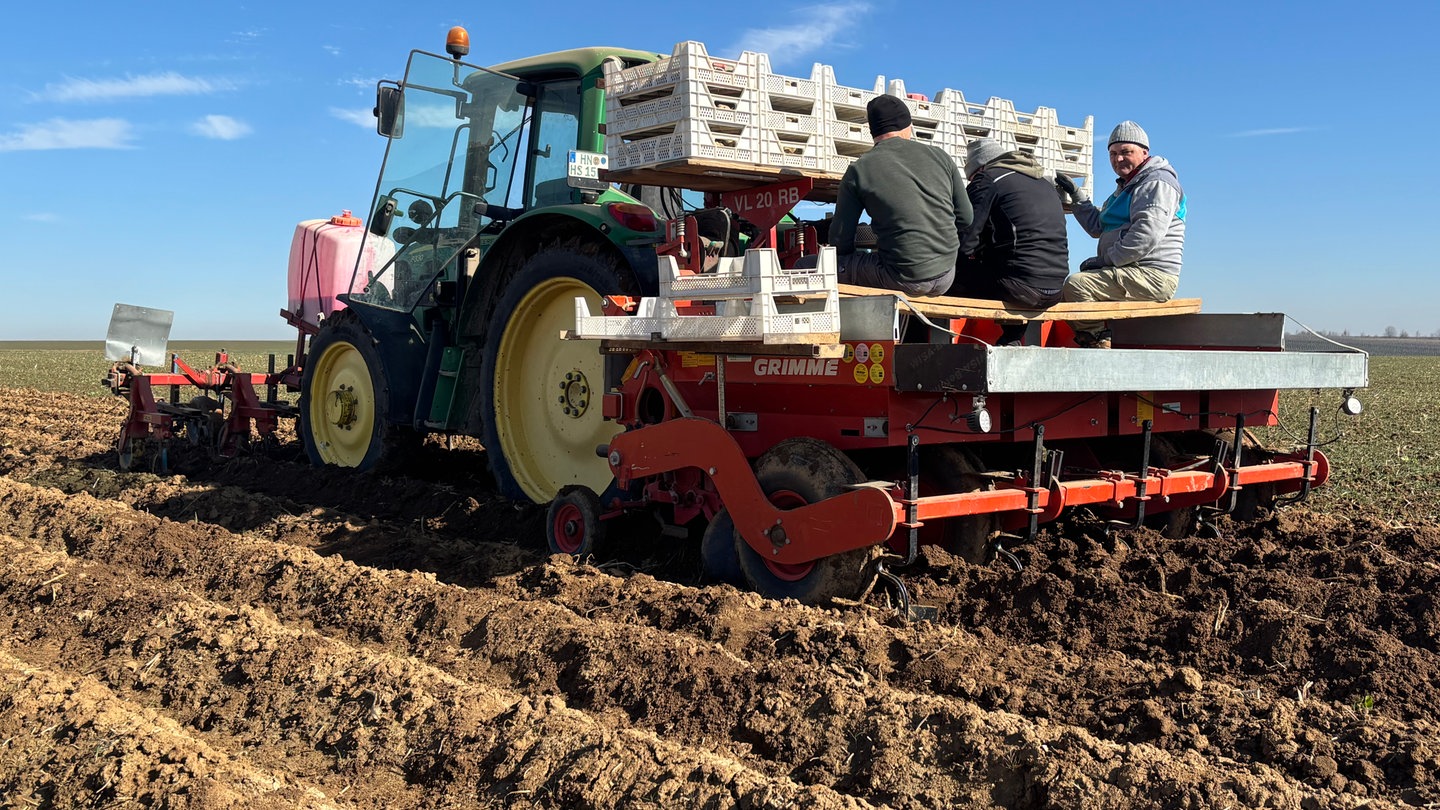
[611,361]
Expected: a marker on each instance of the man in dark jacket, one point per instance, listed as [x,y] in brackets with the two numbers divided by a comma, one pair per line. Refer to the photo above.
[917,205]
[1016,249]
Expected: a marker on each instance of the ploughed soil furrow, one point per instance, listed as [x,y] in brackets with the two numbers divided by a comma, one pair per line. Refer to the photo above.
[779,706]
[338,714]
[72,742]
[1289,662]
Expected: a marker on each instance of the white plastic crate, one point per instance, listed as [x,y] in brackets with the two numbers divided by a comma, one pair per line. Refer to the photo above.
[747,308]
[790,93]
[688,62]
[684,102]
[758,272]
[847,103]
[706,140]
[782,150]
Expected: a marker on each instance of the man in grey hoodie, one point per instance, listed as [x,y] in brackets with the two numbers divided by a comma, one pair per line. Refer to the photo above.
[1141,228]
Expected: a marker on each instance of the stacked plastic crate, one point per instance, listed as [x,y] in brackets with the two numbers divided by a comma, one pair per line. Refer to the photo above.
[691,105]
[1060,149]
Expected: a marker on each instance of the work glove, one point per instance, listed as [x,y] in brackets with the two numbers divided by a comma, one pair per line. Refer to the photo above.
[1069,191]
[1092,263]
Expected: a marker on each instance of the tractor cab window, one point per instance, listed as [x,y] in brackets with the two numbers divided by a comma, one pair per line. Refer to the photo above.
[457,143]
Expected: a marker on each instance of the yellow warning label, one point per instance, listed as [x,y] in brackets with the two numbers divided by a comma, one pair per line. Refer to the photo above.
[695,359]
[1143,409]
[862,372]
[877,353]
[849,353]
[877,373]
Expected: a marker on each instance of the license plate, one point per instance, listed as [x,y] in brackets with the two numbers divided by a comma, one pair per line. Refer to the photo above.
[587,165]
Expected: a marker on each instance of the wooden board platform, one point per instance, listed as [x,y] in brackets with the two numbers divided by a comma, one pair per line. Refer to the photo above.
[719,175]
[944,306]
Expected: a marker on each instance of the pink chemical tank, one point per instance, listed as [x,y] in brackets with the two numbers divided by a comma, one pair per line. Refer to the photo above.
[322,261]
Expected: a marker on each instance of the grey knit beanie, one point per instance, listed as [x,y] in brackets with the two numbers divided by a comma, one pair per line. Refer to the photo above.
[980,152]
[1129,132]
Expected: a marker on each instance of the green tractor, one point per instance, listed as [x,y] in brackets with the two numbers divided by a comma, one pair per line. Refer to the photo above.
[488,221]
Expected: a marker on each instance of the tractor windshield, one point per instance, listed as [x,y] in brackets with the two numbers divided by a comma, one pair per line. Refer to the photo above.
[448,167]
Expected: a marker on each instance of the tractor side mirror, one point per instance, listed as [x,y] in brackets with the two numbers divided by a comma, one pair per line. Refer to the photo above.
[390,111]
[384,215]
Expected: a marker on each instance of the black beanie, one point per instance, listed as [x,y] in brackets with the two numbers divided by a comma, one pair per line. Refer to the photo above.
[886,113]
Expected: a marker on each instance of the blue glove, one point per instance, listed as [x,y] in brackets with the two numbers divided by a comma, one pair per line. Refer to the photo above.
[1092,263]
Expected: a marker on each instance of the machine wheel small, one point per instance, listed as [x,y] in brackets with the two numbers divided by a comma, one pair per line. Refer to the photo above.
[572,524]
[794,473]
[719,558]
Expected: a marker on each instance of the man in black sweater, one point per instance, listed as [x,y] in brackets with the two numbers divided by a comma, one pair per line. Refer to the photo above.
[917,205]
[1016,249]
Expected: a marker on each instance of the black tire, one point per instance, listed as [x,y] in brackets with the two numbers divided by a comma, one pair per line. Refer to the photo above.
[323,419]
[1176,523]
[509,432]
[572,523]
[948,468]
[793,473]
[719,559]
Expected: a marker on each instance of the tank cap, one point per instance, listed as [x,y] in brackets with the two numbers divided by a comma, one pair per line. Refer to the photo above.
[345,218]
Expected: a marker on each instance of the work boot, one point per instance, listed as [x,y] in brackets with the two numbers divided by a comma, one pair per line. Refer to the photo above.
[1093,340]
[1012,334]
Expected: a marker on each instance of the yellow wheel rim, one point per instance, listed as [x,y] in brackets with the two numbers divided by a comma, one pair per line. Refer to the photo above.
[548,394]
[342,406]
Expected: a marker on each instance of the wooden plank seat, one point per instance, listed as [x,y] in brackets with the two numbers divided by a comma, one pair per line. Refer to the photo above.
[945,306]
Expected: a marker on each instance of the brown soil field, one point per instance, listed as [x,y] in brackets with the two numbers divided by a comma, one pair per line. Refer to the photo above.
[259,633]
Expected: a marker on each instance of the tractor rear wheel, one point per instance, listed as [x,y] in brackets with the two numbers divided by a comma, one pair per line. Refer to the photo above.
[344,400]
[794,473]
[543,396]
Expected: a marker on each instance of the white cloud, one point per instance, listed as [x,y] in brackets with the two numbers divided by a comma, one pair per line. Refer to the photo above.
[332,50]
[1254,133]
[822,25]
[42,216]
[220,127]
[360,118]
[62,133]
[155,84]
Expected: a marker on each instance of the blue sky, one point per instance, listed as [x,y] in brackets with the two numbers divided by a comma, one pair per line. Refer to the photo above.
[160,153]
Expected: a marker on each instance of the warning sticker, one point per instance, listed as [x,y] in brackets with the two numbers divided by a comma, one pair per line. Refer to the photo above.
[862,373]
[877,373]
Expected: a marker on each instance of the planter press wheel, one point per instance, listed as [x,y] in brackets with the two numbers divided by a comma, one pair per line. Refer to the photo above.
[1176,523]
[949,468]
[572,523]
[344,400]
[719,558]
[1256,499]
[794,473]
[545,393]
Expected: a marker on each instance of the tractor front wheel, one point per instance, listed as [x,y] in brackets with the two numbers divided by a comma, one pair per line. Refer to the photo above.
[344,400]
